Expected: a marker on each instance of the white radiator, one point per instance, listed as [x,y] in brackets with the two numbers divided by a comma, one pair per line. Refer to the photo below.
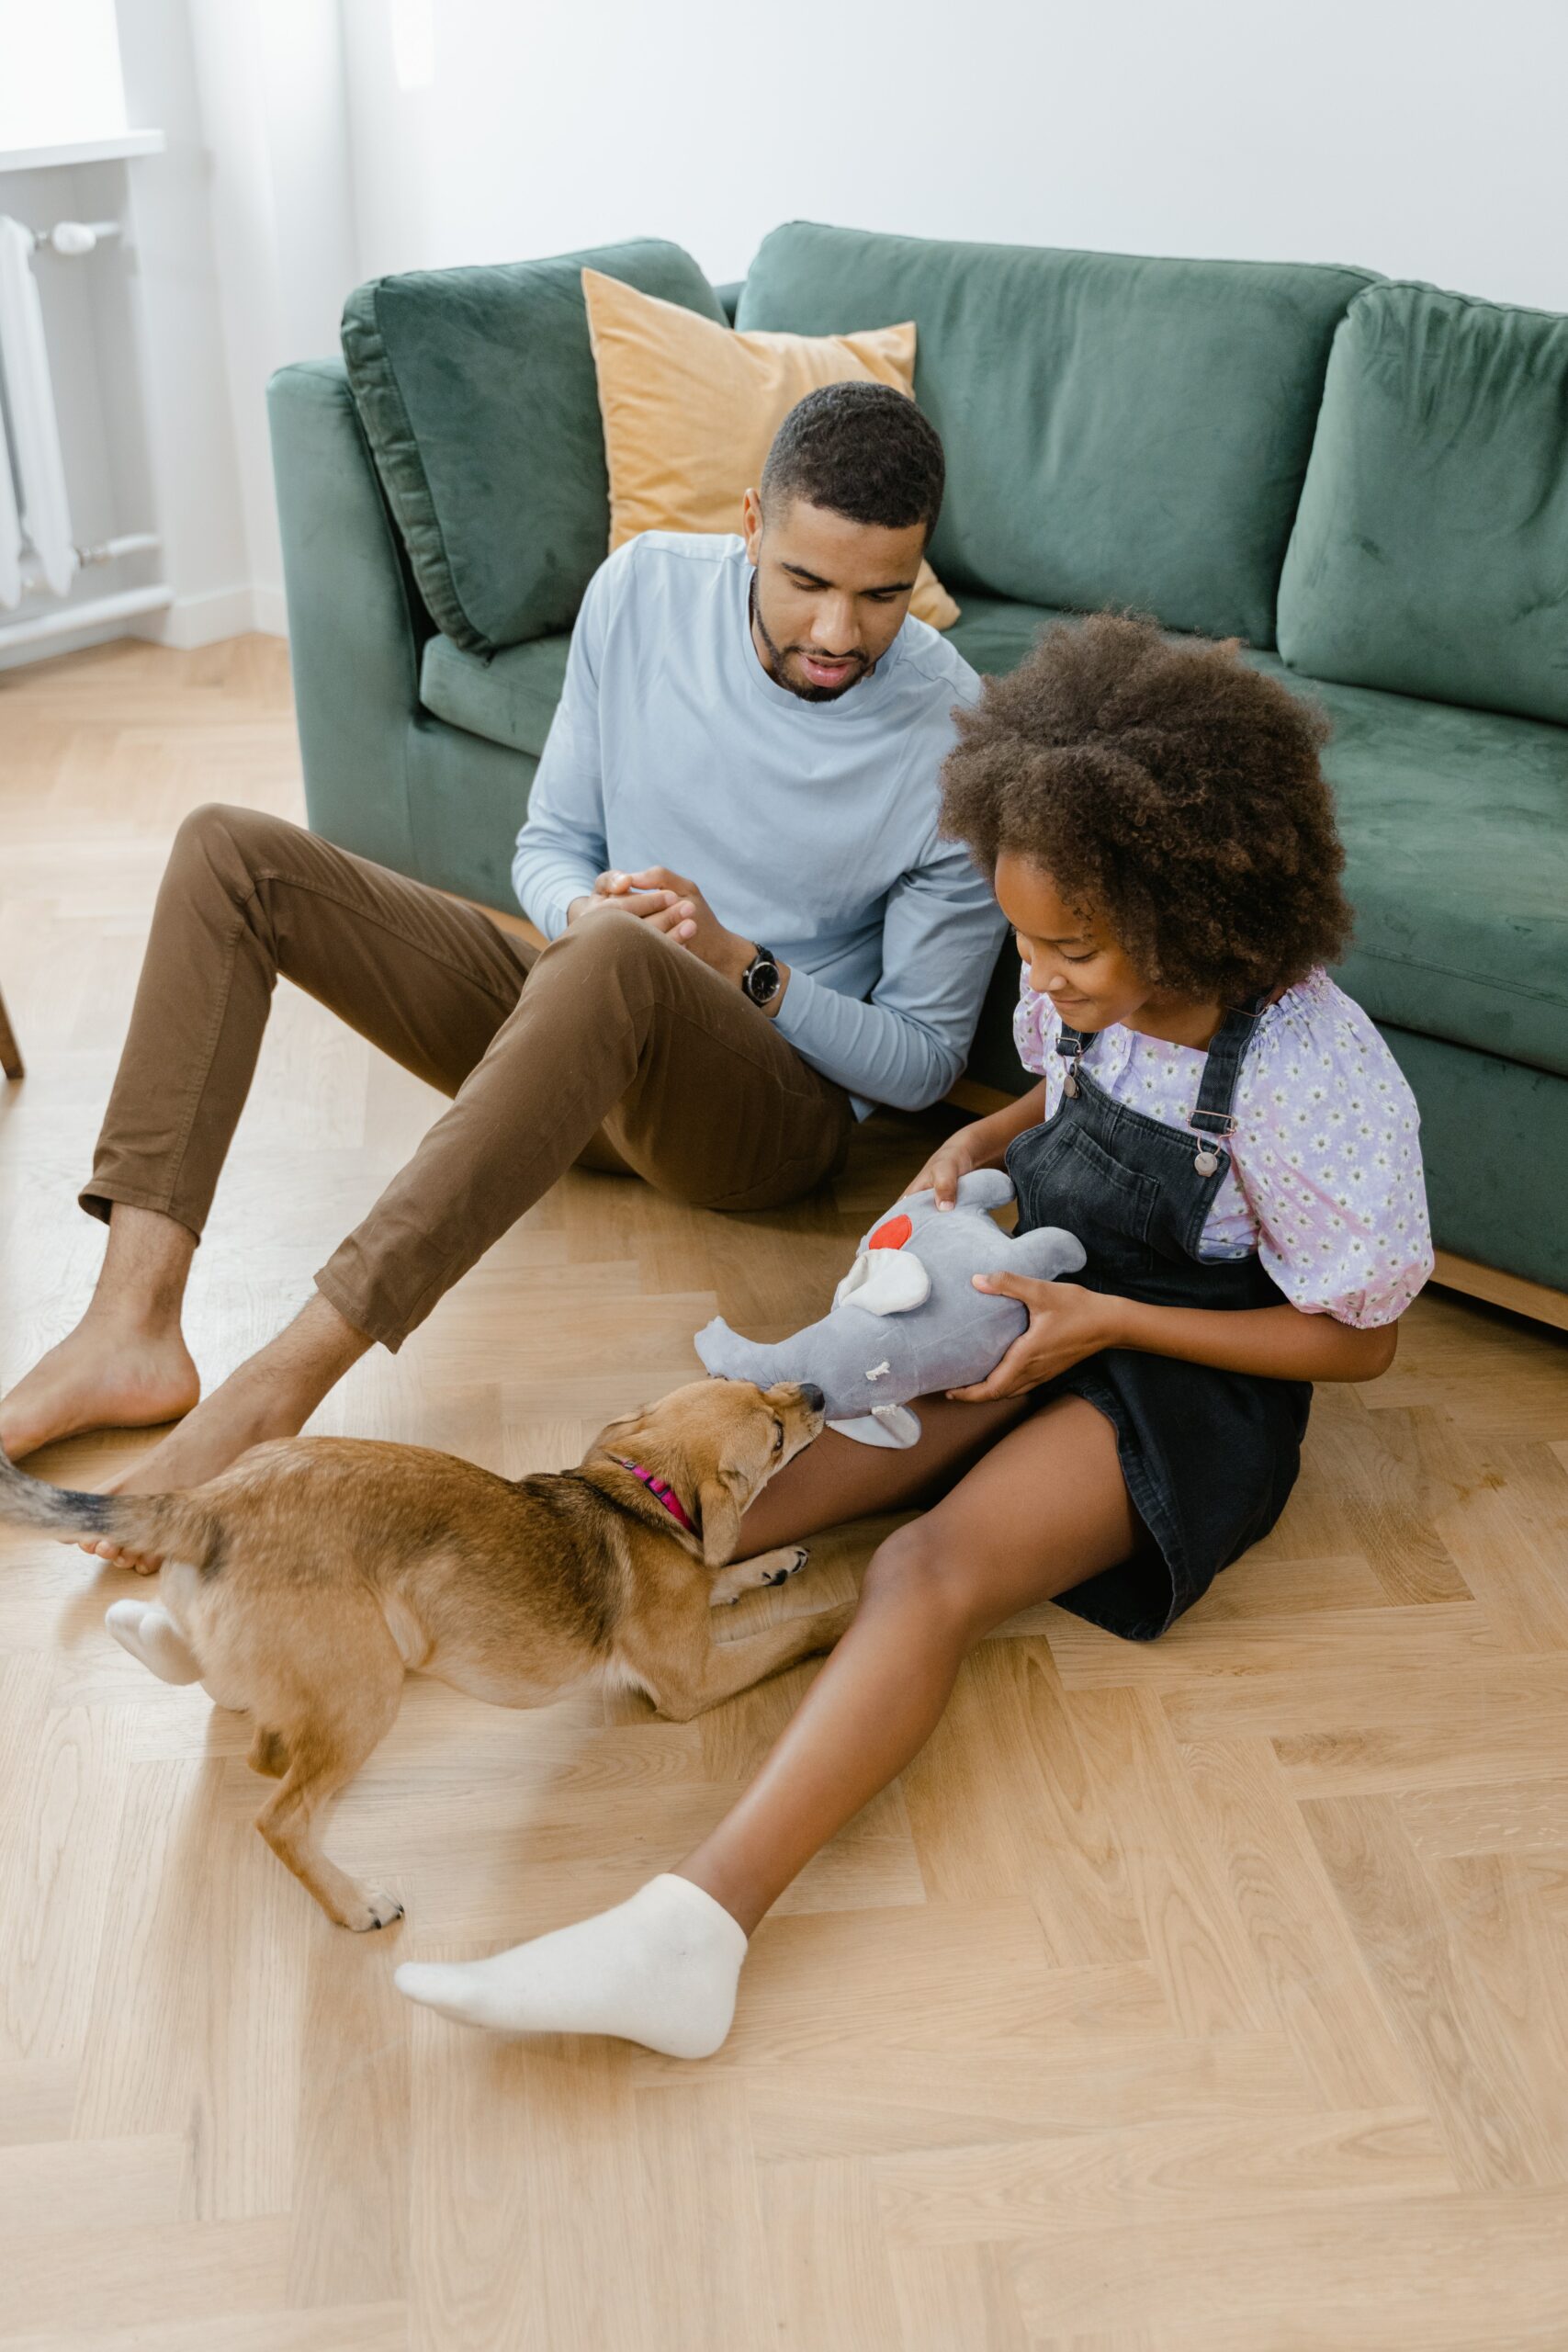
[10,529]
[45,516]
[37,545]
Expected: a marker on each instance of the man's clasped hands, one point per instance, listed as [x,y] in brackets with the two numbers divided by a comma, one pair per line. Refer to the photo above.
[668,903]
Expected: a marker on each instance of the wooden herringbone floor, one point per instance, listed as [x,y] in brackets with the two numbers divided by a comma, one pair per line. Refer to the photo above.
[1208,1997]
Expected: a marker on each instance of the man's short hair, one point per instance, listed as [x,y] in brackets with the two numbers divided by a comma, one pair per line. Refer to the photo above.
[862,450]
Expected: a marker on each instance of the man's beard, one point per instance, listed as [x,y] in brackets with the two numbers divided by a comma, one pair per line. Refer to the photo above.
[774,664]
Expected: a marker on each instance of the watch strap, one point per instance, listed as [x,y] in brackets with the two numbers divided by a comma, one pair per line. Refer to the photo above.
[763,959]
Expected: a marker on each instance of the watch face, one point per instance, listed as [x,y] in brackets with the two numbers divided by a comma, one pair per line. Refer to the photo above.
[762,980]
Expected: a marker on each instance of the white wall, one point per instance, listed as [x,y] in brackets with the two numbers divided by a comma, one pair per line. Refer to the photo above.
[314,142]
[1422,138]
[188,424]
[275,112]
[136,351]
[61,78]
[239,250]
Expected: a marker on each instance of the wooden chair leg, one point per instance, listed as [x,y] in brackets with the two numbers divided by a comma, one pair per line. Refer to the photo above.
[10,1052]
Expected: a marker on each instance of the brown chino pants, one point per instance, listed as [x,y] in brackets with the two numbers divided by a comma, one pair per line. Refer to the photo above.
[609,1046]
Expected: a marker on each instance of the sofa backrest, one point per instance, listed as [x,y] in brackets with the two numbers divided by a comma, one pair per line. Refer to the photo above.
[1430,552]
[478,395]
[1119,430]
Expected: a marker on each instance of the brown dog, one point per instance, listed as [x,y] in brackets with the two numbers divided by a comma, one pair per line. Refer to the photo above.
[303,1584]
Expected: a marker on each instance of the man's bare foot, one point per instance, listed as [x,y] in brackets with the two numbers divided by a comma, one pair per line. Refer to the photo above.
[271,1394]
[109,1373]
[246,1411]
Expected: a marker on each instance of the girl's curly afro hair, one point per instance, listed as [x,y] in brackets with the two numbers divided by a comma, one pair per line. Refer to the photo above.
[1169,788]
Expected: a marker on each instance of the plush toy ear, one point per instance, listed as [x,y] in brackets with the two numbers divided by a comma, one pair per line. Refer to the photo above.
[885,1281]
[893,1425]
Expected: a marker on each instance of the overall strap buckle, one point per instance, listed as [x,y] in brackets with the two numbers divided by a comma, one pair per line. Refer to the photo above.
[1211,1116]
[1213,1126]
[1072,1044]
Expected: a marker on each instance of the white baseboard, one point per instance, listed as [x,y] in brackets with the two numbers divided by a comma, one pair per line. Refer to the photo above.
[18,656]
[206,619]
[191,621]
[269,615]
[188,622]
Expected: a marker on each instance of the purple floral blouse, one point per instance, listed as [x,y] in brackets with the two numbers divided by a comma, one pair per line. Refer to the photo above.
[1324,1181]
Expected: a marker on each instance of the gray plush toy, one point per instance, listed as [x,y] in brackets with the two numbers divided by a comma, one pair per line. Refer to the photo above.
[907,1320]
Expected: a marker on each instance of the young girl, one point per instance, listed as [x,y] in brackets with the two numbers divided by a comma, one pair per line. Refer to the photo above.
[1234,1145]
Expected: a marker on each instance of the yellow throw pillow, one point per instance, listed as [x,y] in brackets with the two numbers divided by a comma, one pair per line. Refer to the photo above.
[691,408]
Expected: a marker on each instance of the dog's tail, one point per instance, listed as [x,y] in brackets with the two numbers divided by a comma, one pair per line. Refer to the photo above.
[175,1526]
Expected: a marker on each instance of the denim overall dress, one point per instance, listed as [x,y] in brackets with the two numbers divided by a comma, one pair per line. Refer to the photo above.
[1209,1457]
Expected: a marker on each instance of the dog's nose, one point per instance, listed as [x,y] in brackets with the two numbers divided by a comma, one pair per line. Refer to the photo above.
[811,1397]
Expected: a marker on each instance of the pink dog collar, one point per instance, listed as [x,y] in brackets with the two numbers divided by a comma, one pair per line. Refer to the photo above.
[661,1488]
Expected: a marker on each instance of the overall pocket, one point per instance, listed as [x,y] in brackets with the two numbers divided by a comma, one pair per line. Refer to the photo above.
[1111,1207]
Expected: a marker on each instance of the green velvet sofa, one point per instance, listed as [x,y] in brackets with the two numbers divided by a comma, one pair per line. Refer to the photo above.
[1366,481]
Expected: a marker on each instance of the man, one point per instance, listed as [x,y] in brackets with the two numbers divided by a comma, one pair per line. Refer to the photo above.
[754,935]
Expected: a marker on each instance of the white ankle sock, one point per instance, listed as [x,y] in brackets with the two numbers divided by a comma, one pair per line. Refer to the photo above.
[150,1634]
[660,1969]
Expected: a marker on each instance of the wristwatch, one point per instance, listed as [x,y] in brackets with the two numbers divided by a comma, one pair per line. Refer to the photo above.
[761,979]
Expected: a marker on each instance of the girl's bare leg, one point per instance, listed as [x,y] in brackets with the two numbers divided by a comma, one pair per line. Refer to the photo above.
[1044,1509]
[838,1479]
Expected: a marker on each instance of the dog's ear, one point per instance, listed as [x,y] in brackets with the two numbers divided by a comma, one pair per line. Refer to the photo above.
[616,1435]
[719,1513]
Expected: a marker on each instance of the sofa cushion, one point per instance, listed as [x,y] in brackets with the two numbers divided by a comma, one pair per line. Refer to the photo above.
[690,411]
[1119,430]
[1456,831]
[508,699]
[1430,553]
[994,634]
[476,392]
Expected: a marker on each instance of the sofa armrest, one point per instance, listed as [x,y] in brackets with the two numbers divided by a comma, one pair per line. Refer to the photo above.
[356,625]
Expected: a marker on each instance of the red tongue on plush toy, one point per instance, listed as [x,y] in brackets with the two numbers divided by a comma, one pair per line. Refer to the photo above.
[891,1236]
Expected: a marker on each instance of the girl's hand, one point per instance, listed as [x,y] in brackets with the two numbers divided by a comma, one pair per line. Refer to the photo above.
[967,1149]
[1065,1324]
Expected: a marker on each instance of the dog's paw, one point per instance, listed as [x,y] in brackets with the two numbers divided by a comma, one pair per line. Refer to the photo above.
[379,1909]
[755,1575]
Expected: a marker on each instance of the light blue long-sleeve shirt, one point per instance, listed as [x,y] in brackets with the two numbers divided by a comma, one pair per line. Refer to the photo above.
[809,825]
